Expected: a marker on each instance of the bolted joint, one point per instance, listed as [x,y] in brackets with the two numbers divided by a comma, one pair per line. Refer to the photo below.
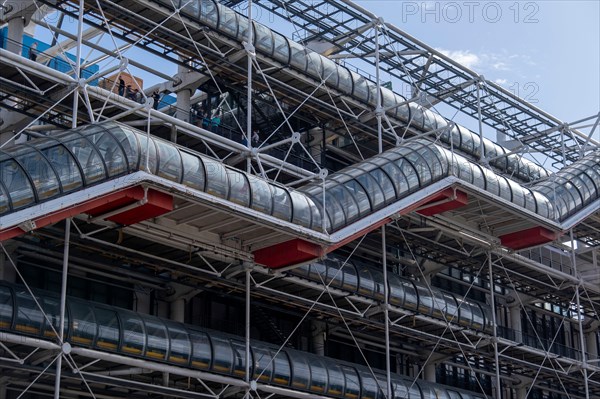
[323,173]
[66,348]
[295,137]
[123,64]
[249,47]
[379,111]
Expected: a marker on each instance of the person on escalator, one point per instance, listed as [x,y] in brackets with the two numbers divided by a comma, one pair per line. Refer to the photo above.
[33,53]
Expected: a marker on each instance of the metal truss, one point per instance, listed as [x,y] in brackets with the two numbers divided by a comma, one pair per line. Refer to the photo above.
[183,251]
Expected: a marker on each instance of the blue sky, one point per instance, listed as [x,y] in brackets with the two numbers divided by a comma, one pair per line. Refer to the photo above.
[545,51]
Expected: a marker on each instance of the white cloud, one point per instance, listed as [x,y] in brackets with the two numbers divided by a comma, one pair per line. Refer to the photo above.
[501,81]
[463,57]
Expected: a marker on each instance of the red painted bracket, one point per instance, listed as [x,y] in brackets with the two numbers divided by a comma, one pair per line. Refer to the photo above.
[528,238]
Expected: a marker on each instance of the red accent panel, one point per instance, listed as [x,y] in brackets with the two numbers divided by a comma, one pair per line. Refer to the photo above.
[446,200]
[127,197]
[159,204]
[287,253]
[528,238]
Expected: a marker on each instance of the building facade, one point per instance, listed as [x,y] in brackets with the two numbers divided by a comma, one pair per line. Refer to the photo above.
[190,208]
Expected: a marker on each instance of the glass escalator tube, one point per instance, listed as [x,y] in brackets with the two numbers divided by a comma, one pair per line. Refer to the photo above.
[120,331]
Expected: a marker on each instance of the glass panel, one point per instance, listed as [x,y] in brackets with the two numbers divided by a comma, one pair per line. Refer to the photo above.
[111,152]
[389,192]
[108,329]
[330,74]
[83,323]
[262,199]
[366,283]
[264,39]
[416,115]
[464,311]
[372,189]
[282,48]
[208,13]
[51,307]
[65,166]
[128,140]
[429,121]
[191,8]
[300,370]
[379,286]
[16,183]
[301,210]
[315,212]
[544,209]
[411,177]
[156,333]
[350,277]
[318,372]
[242,34]
[420,165]
[298,56]
[478,179]
[411,300]
[334,276]
[263,366]
[148,147]
[453,394]
[282,204]
[517,193]
[169,161]
[4,207]
[282,372]
[201,349]
[6,308]
[467,144]
[88,158]
[529,200]
[396,293]
[216,178]
[492,185]
[360,196]
[372,87]
[400,389]
[583,183]
[222,355]
[402,112]
[439,304]
[133,334]
[352,382]
[451,308]
[193,171]
[360,89]
[425,299]
[504,188]
[239,356]
[346,201]
[344,80]
[369,386]
[314,65]
[239,188]
[41,173]
[228,21]
[317,272]
[478,321]
[180,344]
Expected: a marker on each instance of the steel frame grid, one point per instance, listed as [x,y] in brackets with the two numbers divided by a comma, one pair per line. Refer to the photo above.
[507,357]
[331,20]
